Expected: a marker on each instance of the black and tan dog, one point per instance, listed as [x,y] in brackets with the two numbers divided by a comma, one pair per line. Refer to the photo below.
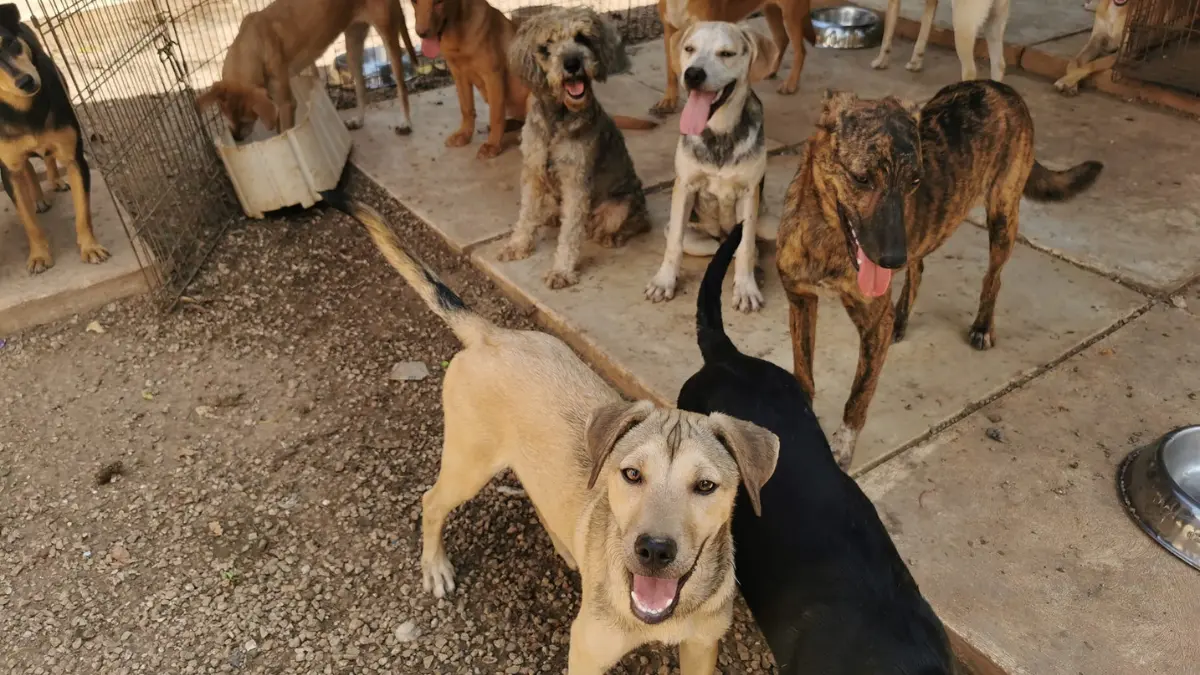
[880,186]
[36,119]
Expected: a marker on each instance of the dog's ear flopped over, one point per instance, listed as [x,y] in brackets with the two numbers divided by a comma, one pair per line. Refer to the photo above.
[241,107]
[755,450]
[10,17]
[763,52]
[607,425]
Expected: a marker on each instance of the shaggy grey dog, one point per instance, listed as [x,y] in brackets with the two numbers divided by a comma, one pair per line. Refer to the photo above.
[576,167]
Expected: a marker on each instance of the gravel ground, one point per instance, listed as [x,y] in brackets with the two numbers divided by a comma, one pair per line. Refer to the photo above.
[236,487]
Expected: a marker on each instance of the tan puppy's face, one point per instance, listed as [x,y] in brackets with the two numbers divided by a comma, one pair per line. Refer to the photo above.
[432,17]
[242,107]
[671,478]
[562,52]
[715,57]
[19,79]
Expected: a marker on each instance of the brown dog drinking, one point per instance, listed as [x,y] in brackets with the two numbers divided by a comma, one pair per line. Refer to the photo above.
[882,185]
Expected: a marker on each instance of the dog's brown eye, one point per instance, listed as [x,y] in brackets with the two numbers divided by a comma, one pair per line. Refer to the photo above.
[632,475]
[705,487]
[689,49]
[861,179]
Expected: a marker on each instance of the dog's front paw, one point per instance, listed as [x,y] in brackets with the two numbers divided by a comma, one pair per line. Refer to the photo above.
[41,206]
[354,123]
[458,139]
[787,88]
[437,575]
[1067,88]
[61,185]
[660,288]
[515,250]
[746,296]
[880,62]
[93,253]
[403,129]
[915,64]
[39,261]
[558,279]
[664,107]
[981,338]
[842,444]
[488,151]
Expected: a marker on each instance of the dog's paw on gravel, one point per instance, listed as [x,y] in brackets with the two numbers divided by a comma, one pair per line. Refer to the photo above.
[438,575]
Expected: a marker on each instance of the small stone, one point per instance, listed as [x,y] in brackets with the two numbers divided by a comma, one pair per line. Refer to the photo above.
[409,371]
[407,631]
[119,554]
[994,418]
[215,528]
[1178,301]
[95,327]
[995,433]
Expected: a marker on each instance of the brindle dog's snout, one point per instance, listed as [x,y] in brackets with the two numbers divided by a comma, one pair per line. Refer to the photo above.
[656,553]
[694,77]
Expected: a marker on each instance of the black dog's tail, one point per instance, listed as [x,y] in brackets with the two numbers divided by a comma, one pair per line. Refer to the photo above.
[470,327]
[715,345]
[1045,185]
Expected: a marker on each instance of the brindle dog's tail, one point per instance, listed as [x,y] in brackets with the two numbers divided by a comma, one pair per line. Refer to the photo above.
[1045,185]
[715,345]
[470,327]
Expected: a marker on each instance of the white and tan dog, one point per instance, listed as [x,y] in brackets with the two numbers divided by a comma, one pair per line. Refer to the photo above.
[638,498]
[1100,52]
[721,158]
[969,17]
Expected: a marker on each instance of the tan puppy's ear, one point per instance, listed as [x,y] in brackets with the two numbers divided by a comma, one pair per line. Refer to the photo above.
[607,425]
[755,450]
[833,104]
[260,102]
[215,94]
[763,52]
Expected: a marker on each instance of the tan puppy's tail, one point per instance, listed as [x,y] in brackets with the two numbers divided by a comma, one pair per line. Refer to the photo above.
[637,123]
[470,327]
[1045,185]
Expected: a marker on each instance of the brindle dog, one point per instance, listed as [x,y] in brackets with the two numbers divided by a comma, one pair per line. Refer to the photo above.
[882,185]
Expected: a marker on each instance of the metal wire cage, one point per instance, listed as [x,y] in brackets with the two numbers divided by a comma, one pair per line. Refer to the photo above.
[1162,44]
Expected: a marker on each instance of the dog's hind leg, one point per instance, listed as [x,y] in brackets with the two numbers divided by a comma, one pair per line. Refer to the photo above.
[1003,212]
[912,282]
[389,27]
[356,37]
[670,98]
[793,19]
[779,34]
[39,198]
[969,16]
[917,62]
[80,177]
[874,321]
[615,221]
[467,465]
[53,175]
[889,29]
[997,22]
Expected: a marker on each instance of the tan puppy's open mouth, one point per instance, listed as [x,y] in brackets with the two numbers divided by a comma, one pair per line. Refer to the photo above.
[653,599]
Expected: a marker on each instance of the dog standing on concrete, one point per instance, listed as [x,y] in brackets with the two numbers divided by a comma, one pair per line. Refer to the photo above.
[287,37]
[880,186]
[575,165]
[638,498]
[969,17]
[721,158]
[789,22]
[817,567]
[36,118]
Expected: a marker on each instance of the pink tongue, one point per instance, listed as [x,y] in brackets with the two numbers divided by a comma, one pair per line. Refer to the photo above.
[431,47]
[654,594]
[695,112]
[575,88]
[873,280]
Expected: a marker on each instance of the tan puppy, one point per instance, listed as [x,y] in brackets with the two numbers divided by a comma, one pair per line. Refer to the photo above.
[287,37]
[637,497]
[1100,52]
[789,21]
[969,17]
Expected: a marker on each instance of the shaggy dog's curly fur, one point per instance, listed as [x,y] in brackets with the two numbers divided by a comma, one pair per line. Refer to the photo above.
[576,167]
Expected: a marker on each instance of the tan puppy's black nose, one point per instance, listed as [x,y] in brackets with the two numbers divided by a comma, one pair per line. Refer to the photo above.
[655,552]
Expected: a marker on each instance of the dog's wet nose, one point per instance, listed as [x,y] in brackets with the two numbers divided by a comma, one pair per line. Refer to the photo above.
[25,82]
[572,63]
[893,261]
[655,552]
[694,77]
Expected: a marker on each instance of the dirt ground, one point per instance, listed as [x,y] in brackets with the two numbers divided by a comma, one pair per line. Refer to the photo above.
[235,487]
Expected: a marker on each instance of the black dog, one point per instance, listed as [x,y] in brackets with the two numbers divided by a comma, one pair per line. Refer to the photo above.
[818,570]
[36,118]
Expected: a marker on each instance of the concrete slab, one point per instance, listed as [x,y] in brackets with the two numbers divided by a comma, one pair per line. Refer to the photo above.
[435,182]
[1023,546]
[1063,47]
[1028,23]
[71,286]
[1047,308]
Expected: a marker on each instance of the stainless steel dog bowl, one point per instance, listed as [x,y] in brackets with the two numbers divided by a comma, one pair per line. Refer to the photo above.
[847,27]
[1160,485]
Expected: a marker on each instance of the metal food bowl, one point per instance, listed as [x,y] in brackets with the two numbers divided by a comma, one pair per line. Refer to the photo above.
[847,27]
[1160,485]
